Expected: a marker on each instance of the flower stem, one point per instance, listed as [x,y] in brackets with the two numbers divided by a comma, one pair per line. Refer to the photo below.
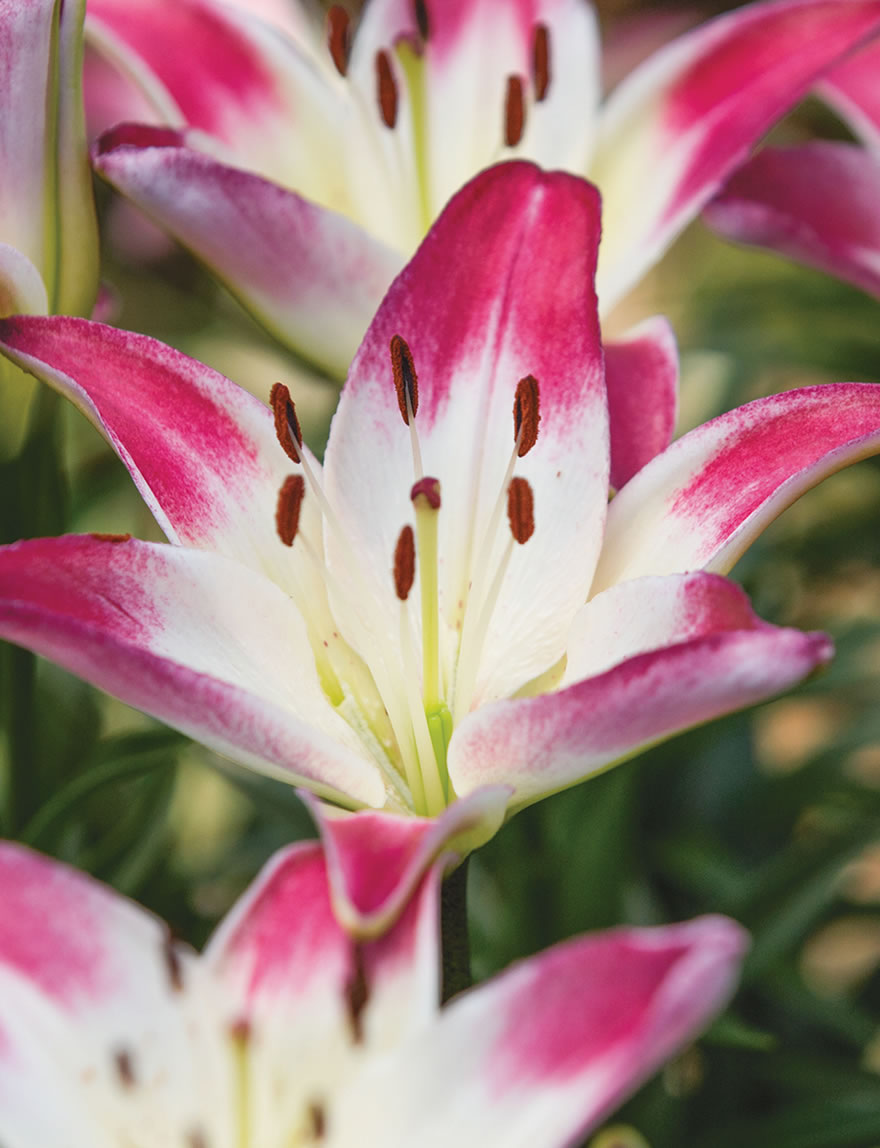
[454,932]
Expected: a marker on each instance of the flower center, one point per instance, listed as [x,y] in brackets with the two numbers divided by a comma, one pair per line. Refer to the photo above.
[404,705]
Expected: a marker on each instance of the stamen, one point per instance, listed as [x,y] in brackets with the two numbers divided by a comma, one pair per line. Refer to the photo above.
[287,426]
[173,964]
[290,500]
[541,61]
[338,39]
[110,537]
[386,90]
[404,563]
[425,496]
[514,112]
[521,509]
[526,414]
[406,381]
[317,1120]
[422,18]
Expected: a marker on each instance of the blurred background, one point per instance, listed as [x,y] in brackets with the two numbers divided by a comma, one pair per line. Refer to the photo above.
[772,816]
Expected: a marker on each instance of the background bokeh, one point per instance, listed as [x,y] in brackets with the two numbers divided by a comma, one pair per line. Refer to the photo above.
[771,816]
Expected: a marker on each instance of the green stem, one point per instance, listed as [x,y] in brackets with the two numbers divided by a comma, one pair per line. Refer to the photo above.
[454,933]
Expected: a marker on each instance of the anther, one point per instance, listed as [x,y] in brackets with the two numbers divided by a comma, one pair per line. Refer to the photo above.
[358,993]
[317,1120]
[521,509]
[173,964]
[406,381]
[386,89]
[124,1067]
[290,500]
[286,423]
[422,18]
[514,112]
[404,563]
[427,489]
[526,414]
[338,39]
[115,538]
[541,60]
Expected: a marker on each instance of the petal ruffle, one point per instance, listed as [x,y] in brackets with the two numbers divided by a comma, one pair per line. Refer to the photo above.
[544,744]
[703,501]
[201,642]
[501,288]
[641,376]
[101,1012]
[683,120]
[818,204]
[542,1053]
[376,860]
[312,277]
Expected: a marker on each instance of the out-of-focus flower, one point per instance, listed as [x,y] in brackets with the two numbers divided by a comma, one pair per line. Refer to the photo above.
[286,1032]
[819,202]
[304,173]
[450,621]
[48,235]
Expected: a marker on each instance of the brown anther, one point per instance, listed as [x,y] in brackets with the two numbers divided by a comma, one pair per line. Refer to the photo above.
[428,489]
[526,414]
[290,500]
[197,1139]
[286,423]
[422,18]
[318,1120]
[357,990]
[404,563]
[521,509]
[124,1067]
[110,537]
[541,60]
[338,38]
[386,89]
[514,112]
[173,964]
[406,381]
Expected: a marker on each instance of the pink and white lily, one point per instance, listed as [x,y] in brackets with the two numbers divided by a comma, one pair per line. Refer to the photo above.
[819,202]
[448,620]
[286,1032]
[48,235]
[305,171]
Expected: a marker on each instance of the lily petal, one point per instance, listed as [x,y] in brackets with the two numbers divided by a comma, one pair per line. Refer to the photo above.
[817,204]
[21,285]
[501,288]
[703,501]
[376,860]
[207,645]
[105,1012]
[305,997]
[541,1054]
[641,375]
[202,451]
[221,70]
[853,91]
[647,614]
[681,122]
[544,744]
[312,277]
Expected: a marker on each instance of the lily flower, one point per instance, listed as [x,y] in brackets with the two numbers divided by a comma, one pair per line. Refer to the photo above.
[304,170]
[448,620]
[285,1031]
[819,202]
[48,232]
